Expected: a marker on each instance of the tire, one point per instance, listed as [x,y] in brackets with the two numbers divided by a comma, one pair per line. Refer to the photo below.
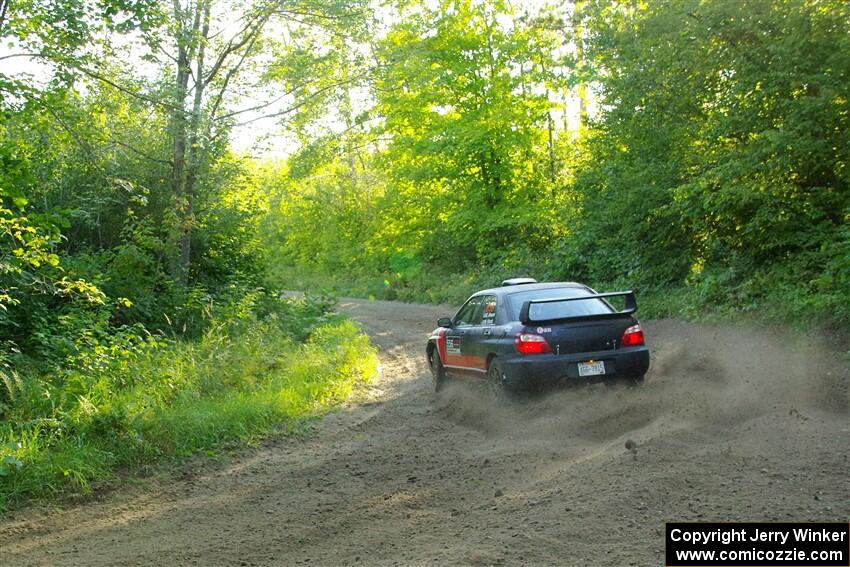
[438,372]
[496,382]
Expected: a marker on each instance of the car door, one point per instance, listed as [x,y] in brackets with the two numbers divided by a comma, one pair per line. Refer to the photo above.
[475,347]
[457,337]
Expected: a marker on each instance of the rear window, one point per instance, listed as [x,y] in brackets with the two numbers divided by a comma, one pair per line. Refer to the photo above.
[560,310]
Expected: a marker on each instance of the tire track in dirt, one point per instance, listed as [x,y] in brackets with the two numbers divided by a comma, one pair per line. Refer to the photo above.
[732,424]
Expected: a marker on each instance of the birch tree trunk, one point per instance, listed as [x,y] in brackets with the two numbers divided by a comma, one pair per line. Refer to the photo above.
[185,35]
[192,24]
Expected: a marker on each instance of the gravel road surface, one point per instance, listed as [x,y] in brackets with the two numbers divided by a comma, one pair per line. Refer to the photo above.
[732,424]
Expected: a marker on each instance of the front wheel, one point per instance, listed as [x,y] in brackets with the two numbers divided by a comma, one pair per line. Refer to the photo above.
[438,371]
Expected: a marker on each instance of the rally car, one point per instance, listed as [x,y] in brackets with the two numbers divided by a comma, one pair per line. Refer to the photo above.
[527,334]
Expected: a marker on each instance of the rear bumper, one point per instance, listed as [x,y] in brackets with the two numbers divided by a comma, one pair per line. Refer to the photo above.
[535,370]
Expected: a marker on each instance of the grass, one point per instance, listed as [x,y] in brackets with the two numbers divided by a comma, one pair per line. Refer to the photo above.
[239,382]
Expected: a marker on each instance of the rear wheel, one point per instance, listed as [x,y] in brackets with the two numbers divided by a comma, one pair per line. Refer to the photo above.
[438,371]
[496,381]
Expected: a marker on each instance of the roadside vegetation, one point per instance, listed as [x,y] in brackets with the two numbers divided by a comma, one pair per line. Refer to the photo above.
[136,400]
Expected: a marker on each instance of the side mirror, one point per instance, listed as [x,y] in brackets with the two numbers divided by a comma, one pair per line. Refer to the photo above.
[444,322]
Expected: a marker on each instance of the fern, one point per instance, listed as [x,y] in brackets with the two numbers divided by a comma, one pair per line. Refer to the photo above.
[12,388]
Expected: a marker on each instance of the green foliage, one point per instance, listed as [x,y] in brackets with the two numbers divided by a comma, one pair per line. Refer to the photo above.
[714,171]
[10,464]
[61,29]
[87,218]
[134,399]
[35,290]
[721,153]
[465,155]
[465,174]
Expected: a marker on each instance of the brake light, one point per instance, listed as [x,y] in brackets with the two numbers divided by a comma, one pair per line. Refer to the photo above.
[529,343]
[633,336]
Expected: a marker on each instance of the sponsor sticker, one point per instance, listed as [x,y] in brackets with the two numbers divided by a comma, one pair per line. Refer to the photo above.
[453,345]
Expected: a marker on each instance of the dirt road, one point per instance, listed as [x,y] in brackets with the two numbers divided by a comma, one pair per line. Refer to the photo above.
[730,425]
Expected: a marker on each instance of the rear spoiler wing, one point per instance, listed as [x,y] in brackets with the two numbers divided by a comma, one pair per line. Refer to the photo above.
[629,307]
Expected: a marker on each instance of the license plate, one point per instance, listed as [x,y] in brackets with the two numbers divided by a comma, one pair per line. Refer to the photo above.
[591,368]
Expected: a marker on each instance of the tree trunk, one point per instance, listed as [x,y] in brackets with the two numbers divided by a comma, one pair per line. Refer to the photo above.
[195,151]
[178,160]
[582,87]
[179,132]
[4,7]
[551,128]
[349,143]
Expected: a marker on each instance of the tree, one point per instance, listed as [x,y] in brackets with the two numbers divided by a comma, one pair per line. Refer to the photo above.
[462,91]
[721,151]
[207,63]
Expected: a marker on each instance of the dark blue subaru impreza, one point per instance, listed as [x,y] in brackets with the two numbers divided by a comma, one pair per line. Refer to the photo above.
[527,334]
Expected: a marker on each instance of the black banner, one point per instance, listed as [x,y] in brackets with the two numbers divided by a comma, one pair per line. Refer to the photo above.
[757,544]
